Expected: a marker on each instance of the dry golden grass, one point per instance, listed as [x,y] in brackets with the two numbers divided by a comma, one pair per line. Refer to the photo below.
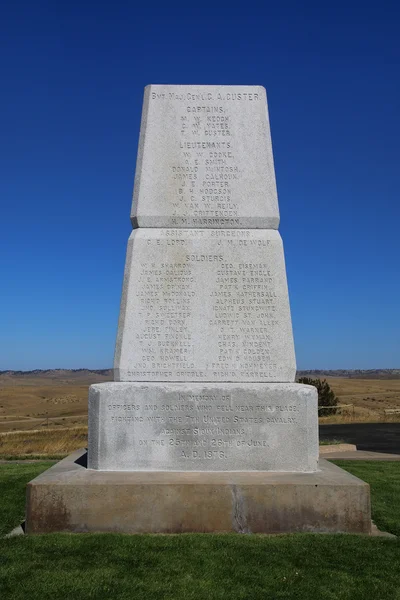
[59,400]
[44,416]
[370,398]
[30,402]
[43,442]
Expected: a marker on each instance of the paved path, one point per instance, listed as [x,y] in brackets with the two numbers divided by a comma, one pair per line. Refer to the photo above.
[371,437]
[360,455]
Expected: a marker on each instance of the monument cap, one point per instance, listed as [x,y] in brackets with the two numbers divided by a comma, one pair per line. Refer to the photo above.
[205,159]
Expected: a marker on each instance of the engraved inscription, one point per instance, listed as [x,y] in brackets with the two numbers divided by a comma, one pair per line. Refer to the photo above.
[213,426]
[206,164]
[208,305]
[214,153]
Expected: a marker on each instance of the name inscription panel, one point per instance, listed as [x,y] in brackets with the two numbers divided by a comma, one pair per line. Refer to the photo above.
[205,305]
[205,159]
[223,427]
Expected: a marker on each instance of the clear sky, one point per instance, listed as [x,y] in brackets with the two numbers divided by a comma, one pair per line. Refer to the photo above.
[72,80]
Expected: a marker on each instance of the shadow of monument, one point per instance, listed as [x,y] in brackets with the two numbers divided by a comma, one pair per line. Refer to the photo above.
[82,460]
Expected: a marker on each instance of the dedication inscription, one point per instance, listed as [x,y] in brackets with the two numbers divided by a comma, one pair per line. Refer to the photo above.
[204,427]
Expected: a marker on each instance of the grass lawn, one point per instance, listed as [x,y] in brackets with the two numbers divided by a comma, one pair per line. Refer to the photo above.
[384,479]
[13,480]
[250,567]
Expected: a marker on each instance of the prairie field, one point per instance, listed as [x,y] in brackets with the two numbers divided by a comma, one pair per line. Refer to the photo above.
[370,399]
[58,399]
[43,442]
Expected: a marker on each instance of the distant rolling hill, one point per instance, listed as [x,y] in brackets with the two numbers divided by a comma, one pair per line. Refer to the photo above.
[353,373]
[93,375]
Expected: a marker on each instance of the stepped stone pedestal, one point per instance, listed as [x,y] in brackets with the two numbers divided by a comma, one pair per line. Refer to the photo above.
[70,497]
[203,428]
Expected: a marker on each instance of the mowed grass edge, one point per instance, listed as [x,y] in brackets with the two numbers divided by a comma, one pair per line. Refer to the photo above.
[197,566]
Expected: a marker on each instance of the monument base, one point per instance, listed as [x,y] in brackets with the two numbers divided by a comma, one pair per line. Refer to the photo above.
[71,498]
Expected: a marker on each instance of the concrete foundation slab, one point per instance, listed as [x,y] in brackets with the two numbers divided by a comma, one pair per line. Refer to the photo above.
[71,498]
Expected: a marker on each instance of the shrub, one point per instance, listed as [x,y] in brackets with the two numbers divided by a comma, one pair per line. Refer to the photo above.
[326,396]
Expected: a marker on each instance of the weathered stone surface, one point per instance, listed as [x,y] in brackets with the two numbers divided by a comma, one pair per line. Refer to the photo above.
[205,305]
[204,430]
[203,427]
[205,159]
[68,497]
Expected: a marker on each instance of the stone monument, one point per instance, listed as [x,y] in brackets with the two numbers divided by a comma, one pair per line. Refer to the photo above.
[204,428]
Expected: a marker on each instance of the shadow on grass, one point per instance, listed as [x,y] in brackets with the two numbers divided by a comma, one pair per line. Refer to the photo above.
[200,567]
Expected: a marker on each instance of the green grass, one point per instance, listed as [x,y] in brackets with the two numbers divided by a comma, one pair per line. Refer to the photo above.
[13,480]
[333,442]
[384,480]
[199,567]
[202,567]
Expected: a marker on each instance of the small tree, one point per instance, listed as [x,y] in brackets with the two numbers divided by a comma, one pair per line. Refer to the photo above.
[326,396]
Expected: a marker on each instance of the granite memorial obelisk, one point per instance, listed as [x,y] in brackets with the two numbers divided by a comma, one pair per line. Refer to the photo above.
[205,351]
[203,427]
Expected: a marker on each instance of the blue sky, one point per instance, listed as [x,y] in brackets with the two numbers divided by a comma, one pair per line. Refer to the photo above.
[72,85]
